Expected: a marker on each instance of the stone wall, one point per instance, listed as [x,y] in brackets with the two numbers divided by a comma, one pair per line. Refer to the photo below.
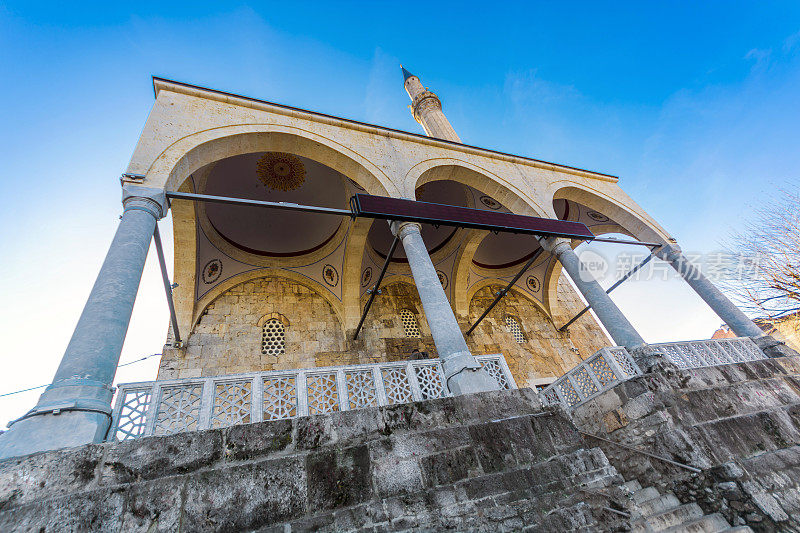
[738,423]
[435,465]
[227,338]
[545,352]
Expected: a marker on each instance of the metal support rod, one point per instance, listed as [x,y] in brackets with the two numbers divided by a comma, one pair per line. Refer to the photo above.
[637,450]
[624,241]
[343,212]
[167,286]
[505,290]
[619,282]
[377,285]
[257,203]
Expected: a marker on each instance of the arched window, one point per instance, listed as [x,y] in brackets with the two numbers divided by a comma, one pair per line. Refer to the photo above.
[273,337]
[410,325]
[514,329]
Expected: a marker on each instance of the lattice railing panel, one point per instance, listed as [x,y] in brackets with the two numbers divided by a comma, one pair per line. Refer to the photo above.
[431,381]
[396,384]
[178,409]
[612,365]
[231,403]
[132,413]
[493,368]
[323,393]
[601,370]
[170,406]
[280,397]
[361,391]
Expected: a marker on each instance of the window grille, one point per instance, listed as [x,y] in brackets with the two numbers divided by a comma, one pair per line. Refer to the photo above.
[515,330]
[273,337]
[410,325]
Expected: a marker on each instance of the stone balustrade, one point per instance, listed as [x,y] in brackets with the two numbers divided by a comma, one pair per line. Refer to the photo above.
[171,406]
[609,366]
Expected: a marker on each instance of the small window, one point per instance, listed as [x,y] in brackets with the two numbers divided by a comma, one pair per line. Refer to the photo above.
[273,337]
[410,324]
[514,329]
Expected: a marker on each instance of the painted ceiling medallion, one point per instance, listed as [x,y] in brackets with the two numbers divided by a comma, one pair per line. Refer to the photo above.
[330,275]
[212,271]
[599,217]
[490,202]
[280,171]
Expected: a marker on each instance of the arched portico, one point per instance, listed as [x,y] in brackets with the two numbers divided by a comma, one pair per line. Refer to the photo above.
[184,157]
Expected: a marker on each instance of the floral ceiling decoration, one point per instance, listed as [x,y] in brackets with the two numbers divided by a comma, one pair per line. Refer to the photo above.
[280,171]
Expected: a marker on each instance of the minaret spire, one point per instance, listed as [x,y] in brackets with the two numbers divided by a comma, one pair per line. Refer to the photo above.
[427,109]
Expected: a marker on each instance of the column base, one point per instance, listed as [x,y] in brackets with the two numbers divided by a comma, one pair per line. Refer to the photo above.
[465,375]
[49,432]
[773,347]
[650,359]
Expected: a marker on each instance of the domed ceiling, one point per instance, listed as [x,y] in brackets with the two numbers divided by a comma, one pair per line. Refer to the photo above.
[276,178]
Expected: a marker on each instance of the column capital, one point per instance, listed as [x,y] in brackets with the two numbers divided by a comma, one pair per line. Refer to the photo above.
[667,252]
[556,245]
[151,200]
[401,229]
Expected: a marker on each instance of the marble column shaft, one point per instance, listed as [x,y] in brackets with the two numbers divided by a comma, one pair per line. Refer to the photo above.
[76,407]
[621,330]
[463,373]
[716,300]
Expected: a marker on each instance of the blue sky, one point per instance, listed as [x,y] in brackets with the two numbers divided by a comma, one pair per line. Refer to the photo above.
[695,107]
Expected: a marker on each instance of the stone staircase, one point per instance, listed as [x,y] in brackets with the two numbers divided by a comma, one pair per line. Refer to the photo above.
[652,511]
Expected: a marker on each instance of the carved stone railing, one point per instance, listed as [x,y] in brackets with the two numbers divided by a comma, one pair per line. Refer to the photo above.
[712,352]
[172,406]
[610,366]
[592,376]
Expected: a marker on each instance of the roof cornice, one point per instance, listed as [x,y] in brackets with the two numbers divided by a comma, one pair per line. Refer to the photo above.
[163,84]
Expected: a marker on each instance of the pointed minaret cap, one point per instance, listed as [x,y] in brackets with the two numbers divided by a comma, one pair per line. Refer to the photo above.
[406,74]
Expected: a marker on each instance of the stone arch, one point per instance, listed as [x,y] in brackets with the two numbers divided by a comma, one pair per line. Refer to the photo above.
[273,316]
[510,196]
[244,277]
[172,168]
[470,294]
[185,156]
[633,220]
[630,220]
[230,336]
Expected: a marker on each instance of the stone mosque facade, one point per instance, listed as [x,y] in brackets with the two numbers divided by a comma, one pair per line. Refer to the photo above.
[247,277]
[333,367]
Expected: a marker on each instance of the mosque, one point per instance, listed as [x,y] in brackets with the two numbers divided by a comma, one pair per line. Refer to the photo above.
[325,265]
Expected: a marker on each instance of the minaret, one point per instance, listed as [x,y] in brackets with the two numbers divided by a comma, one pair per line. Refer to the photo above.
[427,109]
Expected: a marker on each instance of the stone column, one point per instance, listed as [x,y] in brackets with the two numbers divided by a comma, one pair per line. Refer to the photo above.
[75,408]
[463,373]
[622,332]
[718,302]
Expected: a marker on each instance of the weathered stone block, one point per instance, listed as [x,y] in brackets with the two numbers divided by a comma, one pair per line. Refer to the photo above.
[153,457]
[338,478]
[245,497]
[46,475]
[250,441]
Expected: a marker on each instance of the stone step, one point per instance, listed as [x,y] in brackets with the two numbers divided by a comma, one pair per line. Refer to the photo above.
[656,505]
[668,519]
[738,529]
[713,523]
[642,495]
[631,486]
